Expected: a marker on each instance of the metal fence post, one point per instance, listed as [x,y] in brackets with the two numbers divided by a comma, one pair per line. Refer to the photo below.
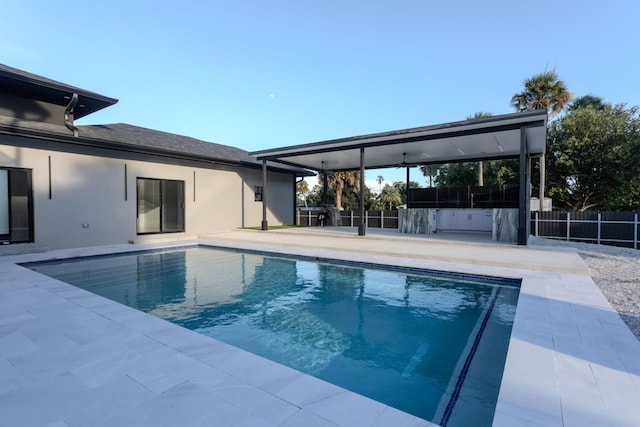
[366,219]
[309,219]
[568,226]
[599,225]
[635,231]
[351,218]
[381,219]
[537,212]
[298,217]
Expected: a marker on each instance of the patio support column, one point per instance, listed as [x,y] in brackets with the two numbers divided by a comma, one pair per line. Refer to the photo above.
[524,179]
[324,187]
[265,224]
[406,188]
[542,181]
[362,226]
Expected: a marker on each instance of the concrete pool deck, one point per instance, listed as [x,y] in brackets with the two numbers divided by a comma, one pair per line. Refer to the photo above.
[72,358]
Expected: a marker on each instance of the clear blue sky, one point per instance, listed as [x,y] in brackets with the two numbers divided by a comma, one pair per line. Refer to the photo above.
[264,74]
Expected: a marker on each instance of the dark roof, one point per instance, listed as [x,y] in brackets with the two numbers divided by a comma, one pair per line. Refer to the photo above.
[25,84]
[119,136]
[167,142]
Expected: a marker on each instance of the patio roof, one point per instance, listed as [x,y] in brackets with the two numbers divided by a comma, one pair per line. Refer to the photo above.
[489,138]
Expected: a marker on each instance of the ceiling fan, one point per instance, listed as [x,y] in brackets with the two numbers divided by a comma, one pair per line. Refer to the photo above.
[404,161]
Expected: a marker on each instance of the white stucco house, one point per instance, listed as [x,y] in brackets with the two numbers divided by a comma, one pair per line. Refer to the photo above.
[63,185]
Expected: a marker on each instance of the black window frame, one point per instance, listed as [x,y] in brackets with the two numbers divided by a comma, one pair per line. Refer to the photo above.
[161,217]
[12,176]
[257,193]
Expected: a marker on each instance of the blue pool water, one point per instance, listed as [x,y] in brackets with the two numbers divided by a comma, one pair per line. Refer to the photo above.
[433,345]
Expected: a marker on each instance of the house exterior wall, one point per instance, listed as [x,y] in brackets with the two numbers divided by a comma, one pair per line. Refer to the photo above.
[91,203]
[22,108]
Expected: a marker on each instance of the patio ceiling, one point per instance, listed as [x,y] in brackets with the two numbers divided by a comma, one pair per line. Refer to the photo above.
[490,138]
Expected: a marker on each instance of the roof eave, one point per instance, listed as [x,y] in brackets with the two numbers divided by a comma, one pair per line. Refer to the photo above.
[532,118]
[132,148]
[55,92]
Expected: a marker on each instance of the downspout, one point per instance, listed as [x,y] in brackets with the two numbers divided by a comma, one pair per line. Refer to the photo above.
[68,114]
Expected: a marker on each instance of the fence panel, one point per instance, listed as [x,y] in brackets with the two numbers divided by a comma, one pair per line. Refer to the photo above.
[618,226]
[609,228]
[390,219]
[374,219]
[307,218]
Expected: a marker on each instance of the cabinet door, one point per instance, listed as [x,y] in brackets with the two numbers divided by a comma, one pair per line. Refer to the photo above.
[464,219]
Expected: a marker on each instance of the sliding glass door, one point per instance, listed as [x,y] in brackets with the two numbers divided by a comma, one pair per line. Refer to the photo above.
[16,206]
[160,206]
[4,204]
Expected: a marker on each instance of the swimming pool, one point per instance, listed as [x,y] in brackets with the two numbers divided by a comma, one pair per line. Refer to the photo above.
[431,345]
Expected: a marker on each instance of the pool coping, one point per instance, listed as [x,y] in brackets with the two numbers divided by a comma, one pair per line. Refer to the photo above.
[571,359]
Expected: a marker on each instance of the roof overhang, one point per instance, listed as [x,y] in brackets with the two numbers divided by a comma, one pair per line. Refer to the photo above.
[32,86]
[491,138]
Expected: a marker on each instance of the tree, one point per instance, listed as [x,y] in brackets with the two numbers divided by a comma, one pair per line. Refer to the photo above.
[480,115]
[593,156]
[339,180]
[501,172]
[390,195]
[401,186]
[543,91]
[380,181]
[430,171]
[302,189]
[587,101]
[314,197]
[371,200]
[457,174]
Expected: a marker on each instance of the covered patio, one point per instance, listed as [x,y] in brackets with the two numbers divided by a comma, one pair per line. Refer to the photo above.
[519,135]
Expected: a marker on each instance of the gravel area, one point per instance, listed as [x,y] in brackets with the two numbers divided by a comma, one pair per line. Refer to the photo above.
[616,271]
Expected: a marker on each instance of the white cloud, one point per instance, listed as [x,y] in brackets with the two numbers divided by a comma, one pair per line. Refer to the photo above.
[373,185]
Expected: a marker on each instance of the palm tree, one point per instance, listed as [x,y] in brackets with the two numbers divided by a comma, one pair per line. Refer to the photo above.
[339,180]
[390,195]
[380,181]
[430,171]
[302,189]
[543,91]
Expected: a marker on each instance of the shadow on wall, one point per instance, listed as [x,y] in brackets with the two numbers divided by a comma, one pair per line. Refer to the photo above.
[27,109]
[251,193]
[87,204]
[11,160]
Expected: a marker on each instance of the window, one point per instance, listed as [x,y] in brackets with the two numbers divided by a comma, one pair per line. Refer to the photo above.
[16,206]
[257,192]
[160,206]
